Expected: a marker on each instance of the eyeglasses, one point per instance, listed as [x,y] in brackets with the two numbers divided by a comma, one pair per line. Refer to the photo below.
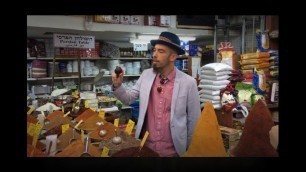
[162,82]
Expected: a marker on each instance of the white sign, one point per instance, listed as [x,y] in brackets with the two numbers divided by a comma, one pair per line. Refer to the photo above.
[73,41]
[140,47]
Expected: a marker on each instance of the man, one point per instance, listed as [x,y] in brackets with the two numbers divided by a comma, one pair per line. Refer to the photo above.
[169,100]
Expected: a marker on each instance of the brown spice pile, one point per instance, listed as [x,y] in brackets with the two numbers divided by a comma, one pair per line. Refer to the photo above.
[91,123]
[255,140]
[54,114]
[127,142]
[135,152]
[31,119]
[85,115]
[58,120]
[65,138]
[110,129]
[75,149]
[39,145]
[37,152]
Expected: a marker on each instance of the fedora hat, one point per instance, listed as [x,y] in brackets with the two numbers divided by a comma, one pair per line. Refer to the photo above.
[171,40]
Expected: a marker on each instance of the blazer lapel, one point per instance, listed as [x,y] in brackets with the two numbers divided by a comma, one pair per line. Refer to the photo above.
[175,92]
[149,83]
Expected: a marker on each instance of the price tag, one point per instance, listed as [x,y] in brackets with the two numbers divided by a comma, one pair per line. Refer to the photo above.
[36,133]
[227,54]
[34,141]
[102,114]
[140,47]
[105,152]
[65,127]
[31,109]
[116,122]
[31,129]
[129,127]
[82,136]
[144,139]
[86,104]
[63,109]
[38,128]
[75,94]
[76,126]
[32,153]
[73,106]
[78,101]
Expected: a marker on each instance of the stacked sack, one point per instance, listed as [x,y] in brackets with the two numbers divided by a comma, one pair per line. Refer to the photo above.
[259,61]
[249,61]
[273,69]
[213,78]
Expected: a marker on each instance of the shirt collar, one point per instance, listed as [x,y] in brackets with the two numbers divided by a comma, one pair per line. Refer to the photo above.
[170,76]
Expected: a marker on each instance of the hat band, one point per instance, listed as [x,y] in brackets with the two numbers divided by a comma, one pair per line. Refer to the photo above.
[167,40]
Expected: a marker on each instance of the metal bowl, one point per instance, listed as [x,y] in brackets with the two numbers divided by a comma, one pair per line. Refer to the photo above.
[106,104]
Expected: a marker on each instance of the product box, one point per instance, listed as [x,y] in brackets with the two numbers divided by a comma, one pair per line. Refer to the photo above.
[230,136]
[164,21]
[103,18]
[115,19]
[125,19]
[193,50]
[150,20]
[135,20]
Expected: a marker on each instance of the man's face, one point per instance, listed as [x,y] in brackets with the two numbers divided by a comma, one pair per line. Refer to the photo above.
[163,56]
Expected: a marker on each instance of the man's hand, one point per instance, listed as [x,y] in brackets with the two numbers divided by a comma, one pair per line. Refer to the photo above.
[117,81]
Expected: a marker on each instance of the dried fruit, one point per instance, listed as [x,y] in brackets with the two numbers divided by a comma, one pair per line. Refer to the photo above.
[118,70]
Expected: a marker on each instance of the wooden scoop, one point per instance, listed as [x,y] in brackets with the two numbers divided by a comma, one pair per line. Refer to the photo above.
[85,153]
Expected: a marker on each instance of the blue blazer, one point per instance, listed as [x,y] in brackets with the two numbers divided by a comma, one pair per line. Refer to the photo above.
[185,105]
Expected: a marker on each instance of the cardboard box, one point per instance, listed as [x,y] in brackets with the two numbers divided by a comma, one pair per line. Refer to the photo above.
[164,21]
[115,19]
[103,18]
[125,19]
[150,20]
[135,20]
[230,136]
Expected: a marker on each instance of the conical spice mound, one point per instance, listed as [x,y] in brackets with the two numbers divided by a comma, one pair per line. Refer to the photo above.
[255,140]
[206,140]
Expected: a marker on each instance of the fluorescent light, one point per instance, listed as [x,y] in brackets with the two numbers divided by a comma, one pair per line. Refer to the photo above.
[139,41]
[187,38]
[148,38]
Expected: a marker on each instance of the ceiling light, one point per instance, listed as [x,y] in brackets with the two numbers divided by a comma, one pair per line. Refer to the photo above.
[139,41]
[187,38]
[152,37]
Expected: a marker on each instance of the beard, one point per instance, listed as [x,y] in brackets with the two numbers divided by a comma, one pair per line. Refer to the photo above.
[157,67]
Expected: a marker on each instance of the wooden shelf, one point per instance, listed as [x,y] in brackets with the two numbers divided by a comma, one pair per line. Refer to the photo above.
[72,77]
[89,58]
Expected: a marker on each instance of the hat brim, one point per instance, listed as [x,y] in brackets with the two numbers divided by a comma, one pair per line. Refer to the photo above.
[179,50]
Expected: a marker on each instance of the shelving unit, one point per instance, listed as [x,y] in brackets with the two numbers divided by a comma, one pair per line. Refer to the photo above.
[40,26]
[86,58]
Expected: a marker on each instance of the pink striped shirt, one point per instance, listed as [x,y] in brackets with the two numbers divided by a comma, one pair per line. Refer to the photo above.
[158,117]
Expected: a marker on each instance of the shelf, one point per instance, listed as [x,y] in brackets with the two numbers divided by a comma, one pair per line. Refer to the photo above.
[125,58]
[90,58]
[38,25]
[72,77]
[272,106]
